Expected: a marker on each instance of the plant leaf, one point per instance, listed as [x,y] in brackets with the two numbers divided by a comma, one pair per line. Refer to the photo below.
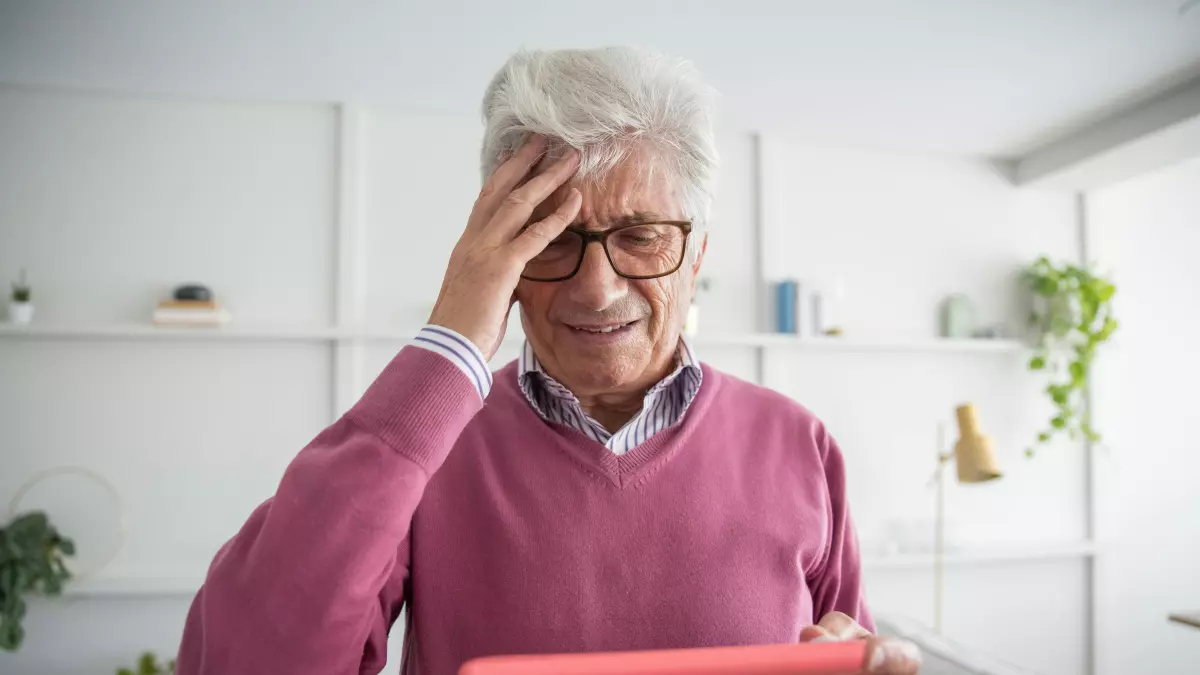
[1078,373]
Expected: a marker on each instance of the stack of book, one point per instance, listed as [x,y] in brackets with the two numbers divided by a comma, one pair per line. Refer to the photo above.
[190,313]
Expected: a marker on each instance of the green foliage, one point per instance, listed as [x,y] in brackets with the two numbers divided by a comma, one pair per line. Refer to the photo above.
[31,561]
[1074,316]
[21,292]
[148,665]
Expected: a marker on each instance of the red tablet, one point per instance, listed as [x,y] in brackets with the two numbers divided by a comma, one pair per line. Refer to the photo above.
[825,658]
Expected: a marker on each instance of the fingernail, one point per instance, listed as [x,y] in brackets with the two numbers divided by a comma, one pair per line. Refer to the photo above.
[825,638]
[878,657]
[908,650]
[897,650]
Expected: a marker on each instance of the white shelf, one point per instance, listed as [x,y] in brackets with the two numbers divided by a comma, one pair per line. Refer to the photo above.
[860,344]
[131,587]
[236,331]
[984,556]
[147,331]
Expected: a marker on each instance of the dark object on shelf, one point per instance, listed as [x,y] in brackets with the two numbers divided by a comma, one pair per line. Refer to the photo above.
[194,292]
[993,332]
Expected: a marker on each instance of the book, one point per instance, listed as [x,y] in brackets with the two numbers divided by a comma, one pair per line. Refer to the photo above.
[189,304]
[191,317]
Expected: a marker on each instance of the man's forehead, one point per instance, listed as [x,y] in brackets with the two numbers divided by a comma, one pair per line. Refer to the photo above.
[625,192]
[616,199]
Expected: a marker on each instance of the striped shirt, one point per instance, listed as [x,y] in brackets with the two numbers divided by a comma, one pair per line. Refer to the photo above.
[663,405]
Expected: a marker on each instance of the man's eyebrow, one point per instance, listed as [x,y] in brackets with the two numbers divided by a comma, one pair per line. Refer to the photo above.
[636,218]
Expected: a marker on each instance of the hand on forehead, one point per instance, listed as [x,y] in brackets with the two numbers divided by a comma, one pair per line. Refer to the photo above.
[636,186]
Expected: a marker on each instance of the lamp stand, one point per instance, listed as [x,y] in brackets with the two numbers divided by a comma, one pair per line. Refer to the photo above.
[939,535]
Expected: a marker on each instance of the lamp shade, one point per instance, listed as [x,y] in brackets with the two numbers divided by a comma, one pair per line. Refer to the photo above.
[973,451]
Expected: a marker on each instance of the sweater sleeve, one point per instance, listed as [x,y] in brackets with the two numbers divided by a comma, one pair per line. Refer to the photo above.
[315,578]
[837,585]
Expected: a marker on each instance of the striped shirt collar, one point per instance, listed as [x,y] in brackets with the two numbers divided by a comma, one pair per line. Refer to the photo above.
[664,404]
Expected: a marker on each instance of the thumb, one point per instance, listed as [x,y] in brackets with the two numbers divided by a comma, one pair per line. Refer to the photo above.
[816,633]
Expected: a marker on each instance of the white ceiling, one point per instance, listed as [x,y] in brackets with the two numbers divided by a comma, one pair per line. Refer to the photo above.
[994,77]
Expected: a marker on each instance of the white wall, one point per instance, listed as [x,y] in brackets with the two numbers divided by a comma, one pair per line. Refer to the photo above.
[221,192]
[902,232]
[991,77]
[1147,233]
[111,200]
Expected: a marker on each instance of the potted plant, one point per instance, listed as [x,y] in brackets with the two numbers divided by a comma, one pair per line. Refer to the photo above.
[1073,315]
[31,561]
[20,309]
[148,665]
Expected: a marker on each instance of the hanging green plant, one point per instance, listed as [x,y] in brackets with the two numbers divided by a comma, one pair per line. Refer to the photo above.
[31,561]
[1073,314]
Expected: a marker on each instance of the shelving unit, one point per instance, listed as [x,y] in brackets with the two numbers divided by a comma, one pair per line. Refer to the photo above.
[185,586]
[139,331]
[132,587]
[339,336]
[1012,553]
[861,343]
[283,333]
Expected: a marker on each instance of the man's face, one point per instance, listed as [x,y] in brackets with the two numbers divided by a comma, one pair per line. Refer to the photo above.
[562,318]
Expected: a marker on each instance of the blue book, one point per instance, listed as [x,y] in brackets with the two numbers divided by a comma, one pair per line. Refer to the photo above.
[786,293]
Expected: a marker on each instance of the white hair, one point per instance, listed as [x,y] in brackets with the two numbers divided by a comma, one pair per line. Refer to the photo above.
[608,103]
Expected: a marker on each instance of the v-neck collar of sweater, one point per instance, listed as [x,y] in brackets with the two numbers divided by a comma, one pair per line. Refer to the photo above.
[662,406]
[632,468]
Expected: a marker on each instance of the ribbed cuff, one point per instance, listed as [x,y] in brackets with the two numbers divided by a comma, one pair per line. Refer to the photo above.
[460,351]
[418,405]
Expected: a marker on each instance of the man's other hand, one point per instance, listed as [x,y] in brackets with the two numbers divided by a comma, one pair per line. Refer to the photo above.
[885,656]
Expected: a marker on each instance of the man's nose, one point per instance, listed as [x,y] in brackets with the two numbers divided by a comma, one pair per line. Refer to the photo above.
[596,285]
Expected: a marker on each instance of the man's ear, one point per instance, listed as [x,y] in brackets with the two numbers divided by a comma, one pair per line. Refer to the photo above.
[699,256]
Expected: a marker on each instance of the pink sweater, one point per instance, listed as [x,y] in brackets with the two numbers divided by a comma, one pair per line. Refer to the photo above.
[503,534]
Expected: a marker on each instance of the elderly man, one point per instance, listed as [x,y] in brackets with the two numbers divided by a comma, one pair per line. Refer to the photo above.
[607,491]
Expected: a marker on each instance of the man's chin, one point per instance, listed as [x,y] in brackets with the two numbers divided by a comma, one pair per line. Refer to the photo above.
[597,380]
[600,368]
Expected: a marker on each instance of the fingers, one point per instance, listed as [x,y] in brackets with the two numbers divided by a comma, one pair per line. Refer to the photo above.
[835,626]
[884,656]
[535,237]
[815,633]
[890,656]
[508,175]
[516,208]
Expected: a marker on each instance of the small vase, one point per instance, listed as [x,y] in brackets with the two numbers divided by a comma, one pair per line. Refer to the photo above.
[958,317]
[20,313]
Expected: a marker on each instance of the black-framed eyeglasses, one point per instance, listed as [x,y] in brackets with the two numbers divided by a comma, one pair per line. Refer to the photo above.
[635,251]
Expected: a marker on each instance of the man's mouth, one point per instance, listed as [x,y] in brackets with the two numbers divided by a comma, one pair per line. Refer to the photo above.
[602,329]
